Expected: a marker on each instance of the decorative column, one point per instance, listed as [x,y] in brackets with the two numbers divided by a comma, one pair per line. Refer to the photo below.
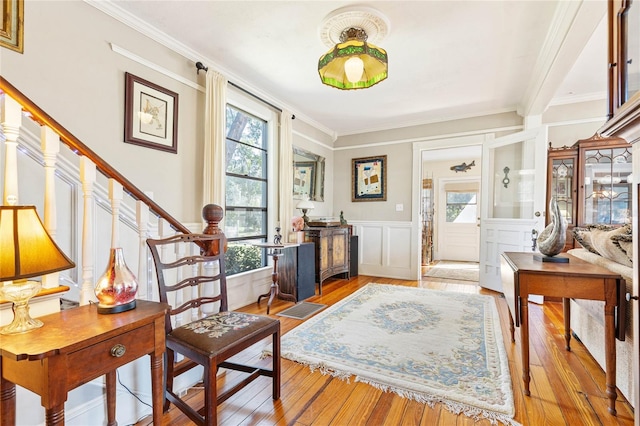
[88,178]
[50,144]
[11,119]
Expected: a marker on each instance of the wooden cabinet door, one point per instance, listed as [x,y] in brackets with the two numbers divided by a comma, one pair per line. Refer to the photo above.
[339,251]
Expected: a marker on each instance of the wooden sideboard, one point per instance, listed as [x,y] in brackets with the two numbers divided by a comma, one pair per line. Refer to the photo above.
[78,345]
[332,251]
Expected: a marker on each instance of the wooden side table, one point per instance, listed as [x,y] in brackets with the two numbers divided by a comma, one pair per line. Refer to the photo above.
[522,276]
[76,346]
[275,251]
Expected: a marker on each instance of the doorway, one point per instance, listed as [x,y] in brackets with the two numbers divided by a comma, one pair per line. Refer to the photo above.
[455,175]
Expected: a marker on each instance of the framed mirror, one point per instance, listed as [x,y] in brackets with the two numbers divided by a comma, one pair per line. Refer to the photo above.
[308,175]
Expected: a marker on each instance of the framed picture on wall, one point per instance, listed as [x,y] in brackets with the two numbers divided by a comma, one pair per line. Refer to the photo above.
[369,178]
[12,24]
[304,178]
[150,115]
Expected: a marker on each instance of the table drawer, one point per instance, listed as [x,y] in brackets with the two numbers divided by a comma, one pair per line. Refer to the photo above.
[86,364]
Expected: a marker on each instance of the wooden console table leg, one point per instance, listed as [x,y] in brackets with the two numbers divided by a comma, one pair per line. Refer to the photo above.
[524,337]
[610,349]
[566,312]
[157,390]
[7,401]
[54,416]
[111,398]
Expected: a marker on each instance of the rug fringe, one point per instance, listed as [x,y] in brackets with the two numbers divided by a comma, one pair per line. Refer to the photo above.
[423,398]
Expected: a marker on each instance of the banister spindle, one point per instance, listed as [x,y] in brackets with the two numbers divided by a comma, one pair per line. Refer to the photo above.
[88,178]
[50,144]
[142,220]
[10,118]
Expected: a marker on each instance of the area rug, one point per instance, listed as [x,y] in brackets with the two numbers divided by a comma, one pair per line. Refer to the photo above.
[302,310]
[427,345]
[463,271]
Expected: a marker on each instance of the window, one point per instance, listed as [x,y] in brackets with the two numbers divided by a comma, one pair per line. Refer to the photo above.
[246,218]
[461,207]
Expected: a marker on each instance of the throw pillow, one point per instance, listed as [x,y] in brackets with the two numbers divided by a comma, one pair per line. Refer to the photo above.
[625,242]
[583,235]
[602,241]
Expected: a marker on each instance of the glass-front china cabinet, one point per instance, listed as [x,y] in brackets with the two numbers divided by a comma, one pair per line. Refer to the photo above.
[591,181]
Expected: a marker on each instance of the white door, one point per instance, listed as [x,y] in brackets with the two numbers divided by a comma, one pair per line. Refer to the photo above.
[457,225]
[514,185]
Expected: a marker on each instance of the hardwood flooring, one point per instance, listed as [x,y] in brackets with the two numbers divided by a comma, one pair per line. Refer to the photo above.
[567,388]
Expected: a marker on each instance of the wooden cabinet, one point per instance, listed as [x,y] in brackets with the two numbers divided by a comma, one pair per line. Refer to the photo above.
[562,183]
[332,252]
[591,181]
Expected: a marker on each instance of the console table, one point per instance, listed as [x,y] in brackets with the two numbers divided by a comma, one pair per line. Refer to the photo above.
[76,346]
[522,276]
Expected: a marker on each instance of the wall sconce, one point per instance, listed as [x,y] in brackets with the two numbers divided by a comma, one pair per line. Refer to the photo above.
[26,251]
[304,205]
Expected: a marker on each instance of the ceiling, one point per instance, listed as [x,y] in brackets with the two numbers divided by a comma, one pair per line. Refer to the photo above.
[447,59]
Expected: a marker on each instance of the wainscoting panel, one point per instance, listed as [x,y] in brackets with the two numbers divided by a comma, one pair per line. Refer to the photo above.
[386,249]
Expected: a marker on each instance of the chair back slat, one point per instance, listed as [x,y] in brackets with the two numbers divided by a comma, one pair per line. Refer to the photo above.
[188,283]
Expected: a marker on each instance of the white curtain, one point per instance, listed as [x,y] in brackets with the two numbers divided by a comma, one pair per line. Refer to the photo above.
[286,173]
[214,139]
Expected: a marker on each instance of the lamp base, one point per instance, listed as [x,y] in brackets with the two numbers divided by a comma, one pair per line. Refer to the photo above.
[19,292]
[117,308]
[551,259]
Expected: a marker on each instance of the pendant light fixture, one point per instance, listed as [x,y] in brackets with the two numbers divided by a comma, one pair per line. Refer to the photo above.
[353,62]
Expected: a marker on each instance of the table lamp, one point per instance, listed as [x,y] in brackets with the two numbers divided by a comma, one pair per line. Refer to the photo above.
[26,251]
[304,205]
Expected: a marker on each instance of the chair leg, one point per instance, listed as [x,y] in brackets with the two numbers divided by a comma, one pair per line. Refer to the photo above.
[276,364]
[210,395]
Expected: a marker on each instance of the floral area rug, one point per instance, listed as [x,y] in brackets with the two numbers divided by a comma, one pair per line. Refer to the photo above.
[428,345]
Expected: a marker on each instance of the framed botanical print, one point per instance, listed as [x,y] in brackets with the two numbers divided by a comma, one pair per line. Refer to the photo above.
[369,179]
[151,115]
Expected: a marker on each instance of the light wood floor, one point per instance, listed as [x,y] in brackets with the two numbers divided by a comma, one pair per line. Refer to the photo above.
[566,387]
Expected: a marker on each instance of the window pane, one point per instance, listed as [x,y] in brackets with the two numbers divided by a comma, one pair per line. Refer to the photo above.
[243,256]
[245,128]
[461,207]
[246,160]
[244,192]
[244,223]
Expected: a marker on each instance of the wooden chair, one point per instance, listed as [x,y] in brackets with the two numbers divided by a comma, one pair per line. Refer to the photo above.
[208,340]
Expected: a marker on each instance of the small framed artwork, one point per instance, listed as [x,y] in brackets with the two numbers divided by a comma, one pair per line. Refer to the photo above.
[304,178]
[12,24]
[369,179]
[150,115]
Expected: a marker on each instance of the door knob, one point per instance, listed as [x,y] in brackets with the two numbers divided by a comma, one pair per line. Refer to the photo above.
[537,214]
[629,297]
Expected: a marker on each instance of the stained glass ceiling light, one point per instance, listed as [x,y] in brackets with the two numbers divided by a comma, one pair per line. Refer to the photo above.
[353,62]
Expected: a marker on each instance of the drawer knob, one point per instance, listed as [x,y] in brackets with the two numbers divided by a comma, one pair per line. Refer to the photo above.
[118,350]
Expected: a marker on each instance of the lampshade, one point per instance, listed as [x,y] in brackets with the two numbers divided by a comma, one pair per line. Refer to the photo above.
[353,63]
[305,204]
[26,249]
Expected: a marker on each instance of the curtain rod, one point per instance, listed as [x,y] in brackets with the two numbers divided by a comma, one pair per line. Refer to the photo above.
[200,66]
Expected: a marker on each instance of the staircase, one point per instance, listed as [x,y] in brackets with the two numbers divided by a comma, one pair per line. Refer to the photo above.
[83,202]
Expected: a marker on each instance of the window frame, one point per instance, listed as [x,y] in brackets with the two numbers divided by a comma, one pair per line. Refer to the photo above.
[253,107]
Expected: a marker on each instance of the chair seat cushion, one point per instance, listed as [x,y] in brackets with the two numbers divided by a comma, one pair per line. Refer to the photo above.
[216,332]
